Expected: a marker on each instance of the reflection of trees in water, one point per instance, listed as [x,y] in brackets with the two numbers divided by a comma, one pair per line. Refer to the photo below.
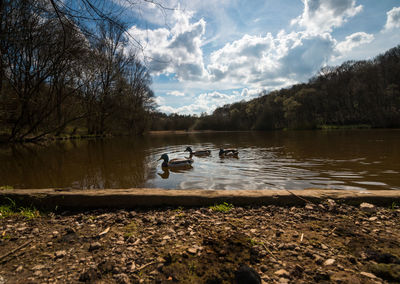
[108,163]
[114,164]
[34,165]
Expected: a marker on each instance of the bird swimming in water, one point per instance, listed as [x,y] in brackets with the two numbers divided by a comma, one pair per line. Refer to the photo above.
[198,152]
[175,163]
[228,152]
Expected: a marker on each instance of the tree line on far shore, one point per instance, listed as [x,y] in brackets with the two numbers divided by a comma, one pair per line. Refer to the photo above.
[65,71]
[355,94]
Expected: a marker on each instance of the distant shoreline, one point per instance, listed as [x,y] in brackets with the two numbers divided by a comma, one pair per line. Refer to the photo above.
[161,132]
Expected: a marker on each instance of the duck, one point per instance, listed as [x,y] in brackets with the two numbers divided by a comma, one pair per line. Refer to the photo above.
[198,152]
[175,163]
[228,152]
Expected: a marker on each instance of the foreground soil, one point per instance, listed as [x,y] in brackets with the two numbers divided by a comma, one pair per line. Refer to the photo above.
[326,243]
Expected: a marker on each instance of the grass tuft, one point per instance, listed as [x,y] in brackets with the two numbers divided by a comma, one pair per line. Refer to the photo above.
[6,187]
[11,209]
[223,207]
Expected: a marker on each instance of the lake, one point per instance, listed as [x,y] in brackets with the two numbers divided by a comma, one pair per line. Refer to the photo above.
[339,159]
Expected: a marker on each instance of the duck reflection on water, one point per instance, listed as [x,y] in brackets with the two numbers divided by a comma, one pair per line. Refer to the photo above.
[166,171]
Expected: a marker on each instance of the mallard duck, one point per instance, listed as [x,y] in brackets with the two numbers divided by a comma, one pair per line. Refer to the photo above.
[228,152]
[198,152]
[175,163]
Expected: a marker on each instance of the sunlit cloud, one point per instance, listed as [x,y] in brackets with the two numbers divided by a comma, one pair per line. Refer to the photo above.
[176,50]
[393,19]
[176,93]
[324,15]
[353,41]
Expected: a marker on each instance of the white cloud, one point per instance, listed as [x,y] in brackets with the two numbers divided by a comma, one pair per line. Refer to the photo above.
[271,62]
[176,50]
[323,15]
[248,94]
[176,93]
[188,109]
[393,19]
[267,61]
[353,41]
[159,100]
[208,102]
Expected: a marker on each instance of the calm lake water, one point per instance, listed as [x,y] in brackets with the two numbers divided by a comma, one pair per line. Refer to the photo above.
[356,159]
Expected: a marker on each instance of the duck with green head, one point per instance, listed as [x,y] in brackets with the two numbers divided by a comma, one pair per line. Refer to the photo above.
[198,152]
[175,163]
[230,152]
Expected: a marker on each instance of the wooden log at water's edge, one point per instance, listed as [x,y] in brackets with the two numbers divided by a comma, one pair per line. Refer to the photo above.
[155,197]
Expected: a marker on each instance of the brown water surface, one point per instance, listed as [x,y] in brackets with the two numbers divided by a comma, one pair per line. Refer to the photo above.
[356,159]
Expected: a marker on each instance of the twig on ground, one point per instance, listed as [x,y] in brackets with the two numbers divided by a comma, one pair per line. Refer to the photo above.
[270,252]
[305,200]
[15,250]
[145,265]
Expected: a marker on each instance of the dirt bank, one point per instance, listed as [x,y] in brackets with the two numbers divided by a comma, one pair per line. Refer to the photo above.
[326,242]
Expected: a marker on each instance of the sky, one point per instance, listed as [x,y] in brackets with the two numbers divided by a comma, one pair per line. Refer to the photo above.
[203,54]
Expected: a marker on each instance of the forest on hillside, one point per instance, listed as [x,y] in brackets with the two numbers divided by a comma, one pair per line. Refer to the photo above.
[65,69]
[357,94]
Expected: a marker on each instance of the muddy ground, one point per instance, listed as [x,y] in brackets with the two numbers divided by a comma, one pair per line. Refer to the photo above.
[325,243]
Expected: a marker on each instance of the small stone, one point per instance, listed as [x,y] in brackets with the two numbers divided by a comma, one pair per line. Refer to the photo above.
[19,268]
[264,268]
[166,238]
[369,275]
[133,266]
[282,273]
[94,246]
[309,206]
[324,246]
[122,278]
[38,267]
[192,250]
[90,275]
[104,232]
[265,278]
[60,253]
[328,262]
[367,207]
[331,204]
[283,281]
[373,218]
[106,266]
